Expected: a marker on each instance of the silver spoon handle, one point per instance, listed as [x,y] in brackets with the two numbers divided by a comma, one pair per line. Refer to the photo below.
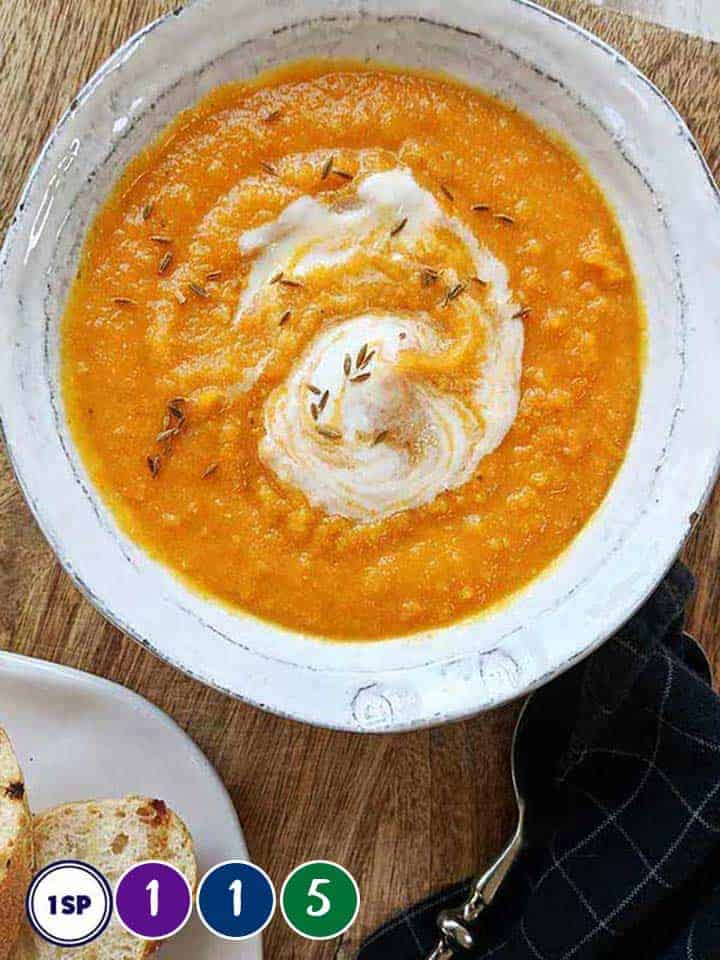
[455,934]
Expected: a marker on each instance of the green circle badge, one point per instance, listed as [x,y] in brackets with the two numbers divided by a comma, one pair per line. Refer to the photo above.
[320,900]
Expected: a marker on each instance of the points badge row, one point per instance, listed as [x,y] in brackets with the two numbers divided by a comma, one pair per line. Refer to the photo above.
[70,903]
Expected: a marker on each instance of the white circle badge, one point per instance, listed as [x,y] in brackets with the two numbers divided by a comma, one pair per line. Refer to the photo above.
[69,903]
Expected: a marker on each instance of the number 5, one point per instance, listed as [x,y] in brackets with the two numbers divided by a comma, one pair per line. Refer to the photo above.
[324,902]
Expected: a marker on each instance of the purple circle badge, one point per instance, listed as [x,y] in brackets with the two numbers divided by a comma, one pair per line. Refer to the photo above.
[153,900]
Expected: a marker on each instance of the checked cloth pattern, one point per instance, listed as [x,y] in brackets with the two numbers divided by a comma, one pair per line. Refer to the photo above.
[621,759]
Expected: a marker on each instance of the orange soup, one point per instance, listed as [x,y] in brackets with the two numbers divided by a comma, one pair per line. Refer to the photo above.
[355,350]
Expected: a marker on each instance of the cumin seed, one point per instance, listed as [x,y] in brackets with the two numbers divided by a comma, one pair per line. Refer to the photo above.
[504,217]
[165,263]
[214,275]
[447,191]
[367,360]
[269,168]
[522,314]
[313,389]
[327,167]
[323,401]
[209,471]
[124,301]
[314,411]
[167,434]
[284,318]
[161,238]
[343,174]
[199,291]
[360,378]
[272,116]
[454,292]
[380,437]
[398,227]
[154,466]
[276,277]
[147,211]
[347,364]
[361,355]
[330,434]
[482,283]
[286,282]
[480,207]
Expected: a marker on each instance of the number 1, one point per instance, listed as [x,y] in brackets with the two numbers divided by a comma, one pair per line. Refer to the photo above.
[236,890]
[153,888]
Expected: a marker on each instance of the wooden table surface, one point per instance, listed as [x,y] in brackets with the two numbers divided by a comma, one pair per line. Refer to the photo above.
[405,813]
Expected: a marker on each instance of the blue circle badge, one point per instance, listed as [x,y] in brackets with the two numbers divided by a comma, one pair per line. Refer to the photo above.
[236,900]
[69,903]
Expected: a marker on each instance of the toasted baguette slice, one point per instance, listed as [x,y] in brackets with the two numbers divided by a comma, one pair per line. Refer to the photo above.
[112,835]
[16,849]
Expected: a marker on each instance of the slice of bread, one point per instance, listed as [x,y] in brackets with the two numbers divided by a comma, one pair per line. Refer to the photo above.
[112,835]
[16,847]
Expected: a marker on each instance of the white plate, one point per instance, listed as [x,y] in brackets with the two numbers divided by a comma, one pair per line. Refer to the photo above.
[651,169]
[78,736]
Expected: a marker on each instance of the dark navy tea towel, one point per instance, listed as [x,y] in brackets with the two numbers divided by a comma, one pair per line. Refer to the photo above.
[621,757]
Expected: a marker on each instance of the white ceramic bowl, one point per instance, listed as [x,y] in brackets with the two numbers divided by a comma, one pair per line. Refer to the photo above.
[652,171]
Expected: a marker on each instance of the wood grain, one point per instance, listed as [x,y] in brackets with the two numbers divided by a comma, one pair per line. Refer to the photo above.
[404,813]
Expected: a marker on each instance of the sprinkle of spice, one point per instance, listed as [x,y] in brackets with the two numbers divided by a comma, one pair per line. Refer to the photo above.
[362,352]
[199,291]
[327,167]
[287,282]
[214,275]
[398,227]
[323,401]
[447,191]
[124,301]
[428,276]
[314,411]
[147,211]
[284,318]
[209,471]
[504,217]
[313,389]
[153,466]
[347,364]
[343,174]
[360,378]
[269,168]
[165,263]
[480,207]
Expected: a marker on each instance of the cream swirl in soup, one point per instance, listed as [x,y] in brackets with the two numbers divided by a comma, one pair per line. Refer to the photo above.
[371,420]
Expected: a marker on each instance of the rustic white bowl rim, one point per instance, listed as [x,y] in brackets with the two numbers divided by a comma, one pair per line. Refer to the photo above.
[651,166]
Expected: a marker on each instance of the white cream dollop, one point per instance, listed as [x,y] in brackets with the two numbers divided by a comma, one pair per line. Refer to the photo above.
[360,433]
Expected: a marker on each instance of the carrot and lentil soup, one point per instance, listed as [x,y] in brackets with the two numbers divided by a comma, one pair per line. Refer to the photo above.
[355,350]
